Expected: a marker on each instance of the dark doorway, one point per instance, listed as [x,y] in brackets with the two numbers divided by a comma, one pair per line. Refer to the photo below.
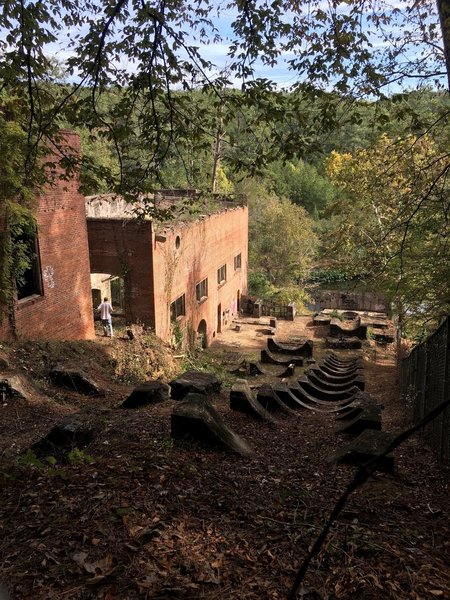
[26,250]
[201,334]
[238,297]
[219,318]
[96,298]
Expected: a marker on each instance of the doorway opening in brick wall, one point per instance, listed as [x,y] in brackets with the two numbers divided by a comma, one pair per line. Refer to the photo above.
[201,334]
[106,285]
[219,318]
[26,250]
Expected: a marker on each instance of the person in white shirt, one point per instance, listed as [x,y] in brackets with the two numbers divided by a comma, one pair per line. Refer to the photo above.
[106,309]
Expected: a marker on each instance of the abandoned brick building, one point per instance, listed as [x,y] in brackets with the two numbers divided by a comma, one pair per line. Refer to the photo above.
[54,301]
[185,277]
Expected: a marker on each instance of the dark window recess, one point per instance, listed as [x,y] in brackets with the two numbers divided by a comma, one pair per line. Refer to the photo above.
[222,274]
[177,308]
[238,261]
[29,283]
[201,290]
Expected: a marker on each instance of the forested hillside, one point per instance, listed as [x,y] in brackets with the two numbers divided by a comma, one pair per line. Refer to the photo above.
[354,149]
[363,202]
[331,121]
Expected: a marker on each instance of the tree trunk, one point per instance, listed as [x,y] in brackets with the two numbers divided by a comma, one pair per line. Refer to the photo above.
[444,17]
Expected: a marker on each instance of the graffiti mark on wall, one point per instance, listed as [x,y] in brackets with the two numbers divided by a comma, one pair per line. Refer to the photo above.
[49,276]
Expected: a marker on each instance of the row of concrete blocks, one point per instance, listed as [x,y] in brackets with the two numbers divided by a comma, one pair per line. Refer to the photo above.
[333,387]
[329,387]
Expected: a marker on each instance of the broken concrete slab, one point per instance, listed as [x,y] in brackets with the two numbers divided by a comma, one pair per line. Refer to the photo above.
[369,444]
[268,358]
[311,402]
[339,372]
[384,338]
[255,368]
[240,369]
[343,362]
[343,343]
[368,418]
[334,379]
[342,366]
[322,394]
[339,329]
[269,400]
[288,372]
[350,412]
[243,400]
[354,411]
[334,386]
[196,419]
[321,319]
[75,380]
[69,434]
[150,392]
[196,382]
[283,392]
[304,349]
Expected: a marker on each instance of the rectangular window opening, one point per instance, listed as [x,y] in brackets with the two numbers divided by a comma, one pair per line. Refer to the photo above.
[237,262]
[222,274]
[29,283]
[201,290]
[178,308]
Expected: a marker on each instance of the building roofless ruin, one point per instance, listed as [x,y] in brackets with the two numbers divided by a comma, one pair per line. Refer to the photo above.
[184,276]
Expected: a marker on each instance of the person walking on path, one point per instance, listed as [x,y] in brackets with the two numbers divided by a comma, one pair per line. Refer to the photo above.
[106,309]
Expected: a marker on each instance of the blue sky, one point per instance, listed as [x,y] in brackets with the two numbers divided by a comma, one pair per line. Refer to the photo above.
[216,52]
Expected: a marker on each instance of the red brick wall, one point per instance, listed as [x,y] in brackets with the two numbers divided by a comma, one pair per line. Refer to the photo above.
[205,245]
[124,248]
[64,311]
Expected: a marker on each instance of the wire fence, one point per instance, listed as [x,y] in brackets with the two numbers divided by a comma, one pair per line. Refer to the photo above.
[426,381]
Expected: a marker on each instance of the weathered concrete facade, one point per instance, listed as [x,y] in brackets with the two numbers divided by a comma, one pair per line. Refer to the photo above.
[187,276]
[62,307]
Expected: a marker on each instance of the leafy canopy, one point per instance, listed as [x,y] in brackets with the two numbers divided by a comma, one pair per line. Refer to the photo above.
[151,50]
[392,225]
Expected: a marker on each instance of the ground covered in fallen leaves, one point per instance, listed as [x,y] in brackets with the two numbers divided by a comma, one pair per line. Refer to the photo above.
[136,515]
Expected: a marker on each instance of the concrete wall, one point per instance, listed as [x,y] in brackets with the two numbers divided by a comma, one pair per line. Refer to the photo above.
[64,310]
[350,300]
[186,253]
[124,248]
